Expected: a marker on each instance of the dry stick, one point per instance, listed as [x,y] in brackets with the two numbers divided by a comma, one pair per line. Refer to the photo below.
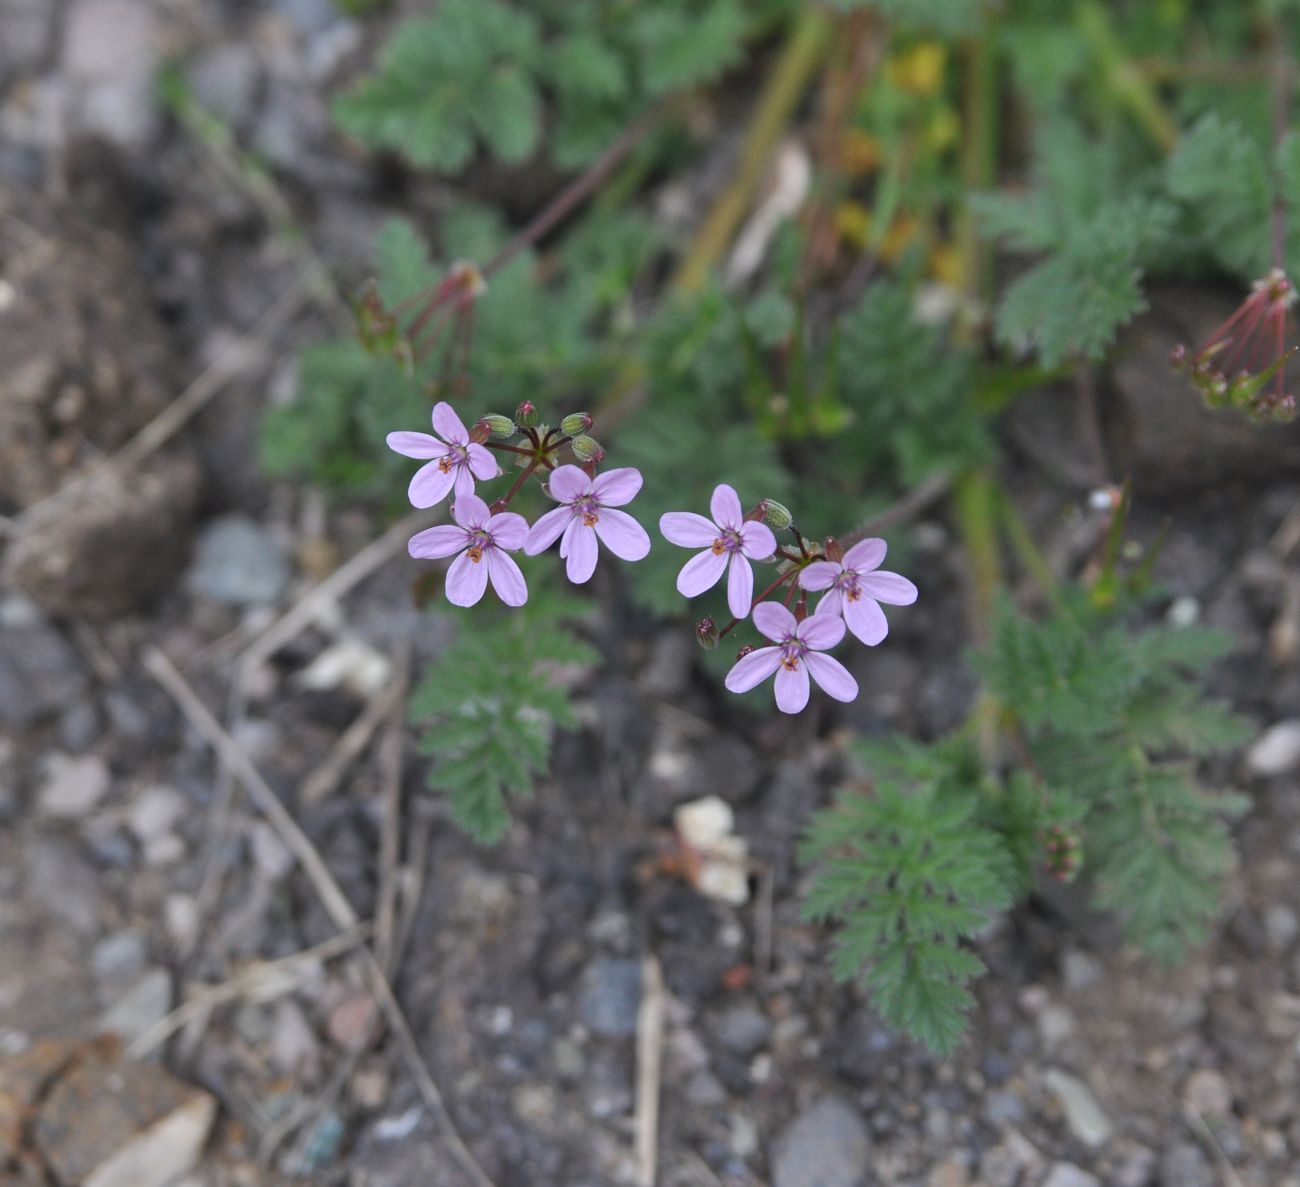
[327,890]
[322,782]
[233,361]
[649,1070]
[255,980]
[907,507]
[390,843]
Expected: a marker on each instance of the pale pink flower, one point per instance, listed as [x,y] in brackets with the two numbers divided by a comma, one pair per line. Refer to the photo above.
[589,511]
[729,542]
[796,656]
[456,460]
[856,587]
[484,542]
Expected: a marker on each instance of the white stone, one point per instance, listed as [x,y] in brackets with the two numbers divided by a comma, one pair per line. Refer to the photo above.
[1276,751]
[155,812]
[161,1153]
[73,786]
[1082,1112]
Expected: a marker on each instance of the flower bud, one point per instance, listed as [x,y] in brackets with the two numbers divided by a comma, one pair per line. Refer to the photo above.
[776,515]
[526,415]
[588,449]
[744,651]
[706,633]
[479,433]
[499,426]
[833,549]
[575,423]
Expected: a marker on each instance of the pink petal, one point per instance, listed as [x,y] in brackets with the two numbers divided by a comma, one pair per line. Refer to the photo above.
[757,541]
[820,631]
[508,530]
[580,562]
[701,572]
[464,480]
[416,445]
[740,587]
[507,580]
[866,620]
[792,688]
[832,677]
[622,535]
[435,543]
[466,580]
[865,555]
[547,530]
[751,671]
[616,487]
[448,425]
[725,507]
[688,529]
[774,620]
[470,511]
[430,484]
[482,463]
[820,575]
[832,603]
[889,588]
[567,483]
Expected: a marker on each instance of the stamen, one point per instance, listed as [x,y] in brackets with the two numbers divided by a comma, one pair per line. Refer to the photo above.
[589,519]
[475,553]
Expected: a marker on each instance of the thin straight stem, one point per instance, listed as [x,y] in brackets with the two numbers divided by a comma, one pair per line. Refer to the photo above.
[1085,388]
[735,622]
[504,500]
[1283,91]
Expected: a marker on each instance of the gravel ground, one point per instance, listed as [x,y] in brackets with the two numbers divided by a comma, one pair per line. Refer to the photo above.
[130,877]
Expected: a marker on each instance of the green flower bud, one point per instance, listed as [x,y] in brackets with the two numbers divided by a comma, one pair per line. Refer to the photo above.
[588,449]
[776,515]
[526,415]
[575,423]
[499,426]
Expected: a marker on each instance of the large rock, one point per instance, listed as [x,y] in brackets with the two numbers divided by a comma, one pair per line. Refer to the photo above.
[111,543]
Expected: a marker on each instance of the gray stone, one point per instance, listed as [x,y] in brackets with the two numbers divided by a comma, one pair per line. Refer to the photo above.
[1281,926]
[744,1030]
[308,16]
[60,878]
[224,81]
[1003,1109]
[1079,970]
[237,563]
[140,1008]
[705,1091]
[1066,1174]
[110,58]
[1208,1093]
[40,673]
[1276,751]
[79,726]
[1082,1112]
[610,997]
[1136,1168]
[118,962]
[1186,1166]
[28,34]
[828,1146]
[72,786]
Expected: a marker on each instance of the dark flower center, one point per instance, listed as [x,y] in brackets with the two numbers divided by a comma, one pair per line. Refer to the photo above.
[729,541]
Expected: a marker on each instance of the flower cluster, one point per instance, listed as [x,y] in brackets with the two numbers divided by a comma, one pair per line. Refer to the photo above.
[1243,363]
[851,584]
[482,537]
[728,541]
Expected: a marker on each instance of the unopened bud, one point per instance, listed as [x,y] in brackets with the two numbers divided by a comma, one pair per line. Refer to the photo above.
[575,423]
[588,449]
[479,433]
[834,550]
[744,651]
[706,633]
[526,415]
[499,426]
[776,515]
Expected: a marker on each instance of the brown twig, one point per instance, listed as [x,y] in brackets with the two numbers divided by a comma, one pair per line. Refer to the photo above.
[333,899]
[649,1071]
[390,825]
[352,743]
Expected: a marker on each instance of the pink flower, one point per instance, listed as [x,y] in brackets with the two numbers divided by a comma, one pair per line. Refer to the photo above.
[587,512]
[482,539]
[729,542]
[796,656]
[857,588]
[456,461]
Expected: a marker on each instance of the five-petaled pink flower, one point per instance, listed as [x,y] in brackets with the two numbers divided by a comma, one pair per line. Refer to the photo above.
[456,460]
[795,656]
[730,542]
[589,511]
[856,588]
[482,539]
